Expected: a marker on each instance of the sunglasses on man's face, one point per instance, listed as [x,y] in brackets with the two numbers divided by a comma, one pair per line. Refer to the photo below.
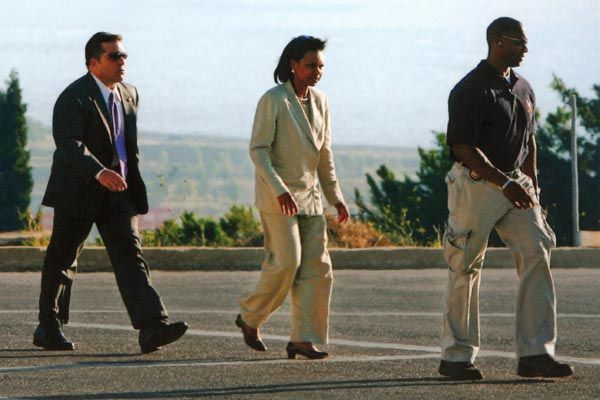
[517,41]
[116,55]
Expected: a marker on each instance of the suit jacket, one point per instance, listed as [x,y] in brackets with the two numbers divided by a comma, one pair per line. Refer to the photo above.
[83,134]
[291,153]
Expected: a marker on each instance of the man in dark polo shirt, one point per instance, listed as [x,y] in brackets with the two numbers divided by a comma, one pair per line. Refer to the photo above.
[493,184]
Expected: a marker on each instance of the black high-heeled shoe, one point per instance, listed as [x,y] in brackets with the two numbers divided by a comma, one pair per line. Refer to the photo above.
[251,338]
[311,353]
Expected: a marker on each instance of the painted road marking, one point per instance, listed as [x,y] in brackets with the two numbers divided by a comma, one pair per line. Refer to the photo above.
[342,313]
[431,352]
[342,342]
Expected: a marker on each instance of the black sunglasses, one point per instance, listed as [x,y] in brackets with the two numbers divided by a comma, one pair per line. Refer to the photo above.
[116,55]
[518,42]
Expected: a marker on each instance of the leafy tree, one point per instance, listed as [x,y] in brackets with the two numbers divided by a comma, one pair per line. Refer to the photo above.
[410,211]
[166,235]
[191,231]
[554,162]
[16,182]
[213,234]
[237,228]
[386,213]
[432,210]
[240,225]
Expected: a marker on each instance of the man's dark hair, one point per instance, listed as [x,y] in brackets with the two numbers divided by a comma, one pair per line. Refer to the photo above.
[503,26]
[295,50]
[93,47]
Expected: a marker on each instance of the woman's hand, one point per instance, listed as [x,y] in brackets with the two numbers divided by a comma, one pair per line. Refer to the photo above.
[343,214]
[287,204]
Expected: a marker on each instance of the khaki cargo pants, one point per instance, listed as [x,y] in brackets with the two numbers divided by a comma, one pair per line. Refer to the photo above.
[476,207]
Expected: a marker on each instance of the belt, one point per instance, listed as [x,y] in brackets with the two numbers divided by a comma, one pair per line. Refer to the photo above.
[474,175]
[512,174]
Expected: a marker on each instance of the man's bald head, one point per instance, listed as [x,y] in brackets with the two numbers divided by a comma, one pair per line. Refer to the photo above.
[503,26]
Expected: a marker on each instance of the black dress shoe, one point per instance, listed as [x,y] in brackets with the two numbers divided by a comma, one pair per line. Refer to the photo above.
[250,335]
[543,366]
[50,337]
[312,353]
[151,338]
[460,371]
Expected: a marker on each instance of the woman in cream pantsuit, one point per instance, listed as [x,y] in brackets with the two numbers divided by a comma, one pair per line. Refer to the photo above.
[291,151]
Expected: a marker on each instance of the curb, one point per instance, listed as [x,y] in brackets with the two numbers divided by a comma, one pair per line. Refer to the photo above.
[95,259]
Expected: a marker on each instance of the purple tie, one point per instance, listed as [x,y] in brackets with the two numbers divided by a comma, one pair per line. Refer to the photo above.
[119,135]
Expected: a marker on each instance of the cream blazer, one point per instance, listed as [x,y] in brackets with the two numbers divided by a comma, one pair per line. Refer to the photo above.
[291,154]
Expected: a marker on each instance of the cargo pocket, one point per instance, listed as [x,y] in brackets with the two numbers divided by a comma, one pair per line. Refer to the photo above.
[550,238]
[453,191]
[455,248]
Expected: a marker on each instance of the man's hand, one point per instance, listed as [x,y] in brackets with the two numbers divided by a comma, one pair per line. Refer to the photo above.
[520,197]
[112,181]
[342,211]
[287,204]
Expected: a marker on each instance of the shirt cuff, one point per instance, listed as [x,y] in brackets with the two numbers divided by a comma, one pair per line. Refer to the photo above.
[98,174]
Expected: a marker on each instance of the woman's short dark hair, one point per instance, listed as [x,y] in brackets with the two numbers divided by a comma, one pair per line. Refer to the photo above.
[93,48]
[295,50]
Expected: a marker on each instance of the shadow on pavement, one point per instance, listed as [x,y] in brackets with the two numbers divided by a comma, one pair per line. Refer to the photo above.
[41,353]
[291,388]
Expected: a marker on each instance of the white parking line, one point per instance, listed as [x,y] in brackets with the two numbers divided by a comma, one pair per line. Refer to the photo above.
[344,342]
[334,313]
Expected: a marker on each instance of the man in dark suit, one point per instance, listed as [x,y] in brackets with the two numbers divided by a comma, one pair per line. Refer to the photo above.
[95,179]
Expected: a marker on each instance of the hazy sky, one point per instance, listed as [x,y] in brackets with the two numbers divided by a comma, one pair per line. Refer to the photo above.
[201,66]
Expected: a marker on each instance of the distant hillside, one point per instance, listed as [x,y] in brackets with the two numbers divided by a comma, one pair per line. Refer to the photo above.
[208,174]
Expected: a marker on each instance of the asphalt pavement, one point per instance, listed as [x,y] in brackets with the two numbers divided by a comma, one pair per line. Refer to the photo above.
[384,341]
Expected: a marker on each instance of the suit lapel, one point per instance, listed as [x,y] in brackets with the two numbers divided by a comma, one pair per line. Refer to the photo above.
[100,104]
[298,112]
[316,118]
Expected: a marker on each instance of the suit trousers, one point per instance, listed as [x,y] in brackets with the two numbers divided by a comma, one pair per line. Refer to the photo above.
[476,207]
[297,261]
[117,225]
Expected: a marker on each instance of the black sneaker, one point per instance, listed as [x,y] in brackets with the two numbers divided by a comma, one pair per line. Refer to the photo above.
[460,371]
[543,366]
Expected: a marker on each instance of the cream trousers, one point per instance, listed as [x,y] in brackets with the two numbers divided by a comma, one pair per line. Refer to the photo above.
[476,207]
[297,261]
